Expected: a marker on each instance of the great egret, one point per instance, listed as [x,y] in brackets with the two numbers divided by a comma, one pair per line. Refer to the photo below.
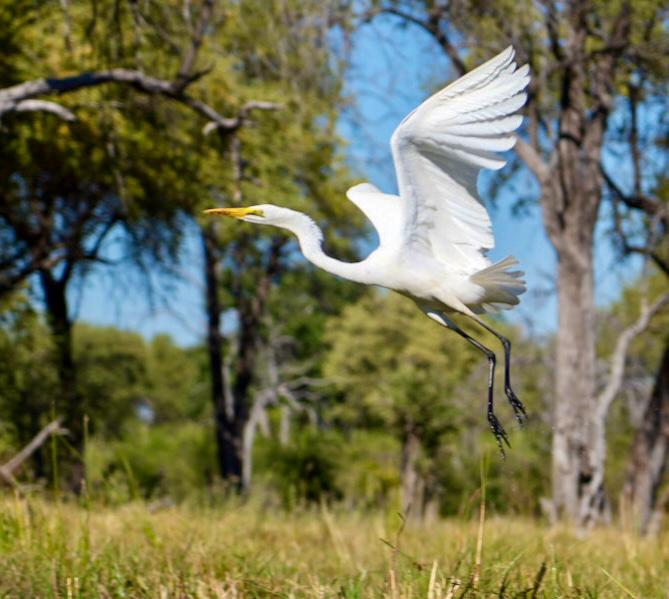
[435,235]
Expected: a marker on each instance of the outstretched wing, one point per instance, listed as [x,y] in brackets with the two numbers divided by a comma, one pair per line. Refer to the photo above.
[382,209]
[439,150]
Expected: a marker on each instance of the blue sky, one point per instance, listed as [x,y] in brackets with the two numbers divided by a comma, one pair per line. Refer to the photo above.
[393,69]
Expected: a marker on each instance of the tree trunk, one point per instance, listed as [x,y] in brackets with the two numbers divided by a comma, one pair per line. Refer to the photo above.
[241,390]
[39,468]
[579,443]
[650,449]
[250,308]
[69,402]
[228,459]
[231,402]
[571,197]
[412,482]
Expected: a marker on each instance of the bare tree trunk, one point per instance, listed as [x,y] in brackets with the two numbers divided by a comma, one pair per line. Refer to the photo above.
[284,425]
[228,461]
[650,450]
[579,443]
[412,482]
[39,468]
[571,196]
[69,402]
[257,420]
[241,398]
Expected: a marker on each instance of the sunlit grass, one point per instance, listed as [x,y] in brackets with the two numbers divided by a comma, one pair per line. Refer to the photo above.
[64,550]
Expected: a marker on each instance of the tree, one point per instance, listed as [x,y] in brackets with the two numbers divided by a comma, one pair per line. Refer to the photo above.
[401,372]
[27,378]
[301,168]
[640,226]
[16,266]
[584,56]
[638,371]
[122,170]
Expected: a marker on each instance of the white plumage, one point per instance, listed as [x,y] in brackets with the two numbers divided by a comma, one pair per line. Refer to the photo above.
[440,148]
[435,235]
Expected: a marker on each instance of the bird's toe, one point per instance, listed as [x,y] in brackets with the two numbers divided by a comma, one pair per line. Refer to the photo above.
[518,408]
[499,432]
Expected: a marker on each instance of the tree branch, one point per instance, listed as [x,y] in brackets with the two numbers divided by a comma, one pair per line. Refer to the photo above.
[431,26]
[242,116]
[183,78]
[637,201]
[654,256]
[43,106]
[617,369]
[533,160]
[7,469]
[12,97]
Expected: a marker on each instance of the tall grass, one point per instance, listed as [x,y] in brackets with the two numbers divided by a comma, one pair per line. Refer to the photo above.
[139,550]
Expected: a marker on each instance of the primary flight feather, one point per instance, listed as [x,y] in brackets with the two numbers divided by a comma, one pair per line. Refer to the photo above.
[434,236]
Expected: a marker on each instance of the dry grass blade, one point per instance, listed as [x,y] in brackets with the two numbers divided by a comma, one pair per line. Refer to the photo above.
[620,585]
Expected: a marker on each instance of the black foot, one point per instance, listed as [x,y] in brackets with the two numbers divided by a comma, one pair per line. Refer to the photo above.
[499,432]
[517,405]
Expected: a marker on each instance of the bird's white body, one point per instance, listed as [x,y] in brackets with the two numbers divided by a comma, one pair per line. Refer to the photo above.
[418,275]
[435,235]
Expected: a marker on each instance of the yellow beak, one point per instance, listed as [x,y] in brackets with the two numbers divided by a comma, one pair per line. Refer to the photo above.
[235,212]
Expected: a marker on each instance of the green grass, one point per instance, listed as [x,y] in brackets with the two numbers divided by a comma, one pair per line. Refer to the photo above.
[63,550]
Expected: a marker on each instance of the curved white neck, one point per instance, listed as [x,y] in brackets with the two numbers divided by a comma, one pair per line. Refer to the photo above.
[310,238]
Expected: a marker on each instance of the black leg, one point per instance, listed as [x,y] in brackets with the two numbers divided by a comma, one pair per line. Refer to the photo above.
[495,425]
[516,404]
[493,421]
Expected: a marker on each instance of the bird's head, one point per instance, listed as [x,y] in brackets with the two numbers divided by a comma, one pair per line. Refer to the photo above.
[263,214]
[267,214]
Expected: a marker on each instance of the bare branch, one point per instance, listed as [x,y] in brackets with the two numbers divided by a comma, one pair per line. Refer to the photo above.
[43,106]
[7,469]
[183,78]
[637,201]
[243,115]
[552,28]
[432,27]
[11,97]
[617,369]
[22,97]
[533,160]
[660,262]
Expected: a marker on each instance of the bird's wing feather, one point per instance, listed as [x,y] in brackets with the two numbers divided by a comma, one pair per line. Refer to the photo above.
[382,209]
[439,150]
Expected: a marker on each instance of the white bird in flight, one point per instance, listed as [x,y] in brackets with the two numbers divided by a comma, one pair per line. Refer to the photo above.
[434,235]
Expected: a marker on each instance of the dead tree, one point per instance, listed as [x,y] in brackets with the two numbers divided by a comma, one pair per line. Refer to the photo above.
[648,458]
[9,468]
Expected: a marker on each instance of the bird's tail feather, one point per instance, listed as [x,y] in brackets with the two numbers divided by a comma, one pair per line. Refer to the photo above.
[502,286]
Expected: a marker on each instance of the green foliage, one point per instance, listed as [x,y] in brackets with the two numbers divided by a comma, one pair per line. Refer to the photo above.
[112,375]
[305,471]
[396,365]
[177,388]
[27,376]
[168,460]
[399,371]
[119,180]
[369,475]
[641,365]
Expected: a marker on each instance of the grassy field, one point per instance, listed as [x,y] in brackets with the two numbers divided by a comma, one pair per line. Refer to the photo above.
[64,550]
